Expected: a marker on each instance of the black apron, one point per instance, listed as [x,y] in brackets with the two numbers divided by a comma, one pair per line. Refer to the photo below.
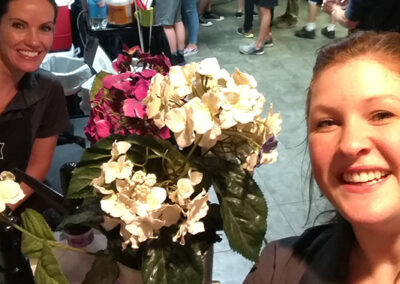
[15,142]
[15,149]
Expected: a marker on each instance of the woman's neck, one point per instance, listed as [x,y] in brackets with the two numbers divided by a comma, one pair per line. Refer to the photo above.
[376,257]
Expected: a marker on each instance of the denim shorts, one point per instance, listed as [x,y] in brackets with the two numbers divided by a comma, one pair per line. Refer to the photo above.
[266,3]
[315,2]
[168,12]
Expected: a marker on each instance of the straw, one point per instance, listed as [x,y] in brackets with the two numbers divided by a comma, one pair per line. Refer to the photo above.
[139,26]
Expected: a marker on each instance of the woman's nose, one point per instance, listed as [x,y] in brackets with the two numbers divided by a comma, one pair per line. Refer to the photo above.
[33,38]
[354,140]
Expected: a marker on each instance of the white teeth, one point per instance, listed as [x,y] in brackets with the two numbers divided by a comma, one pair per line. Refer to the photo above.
[29,53]
[363,176]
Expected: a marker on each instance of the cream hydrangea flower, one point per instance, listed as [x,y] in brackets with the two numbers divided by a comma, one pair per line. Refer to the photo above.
[197,209]
[242,78]
[193,118]
[185,188]
[10,191]
[121,169]
[119,148]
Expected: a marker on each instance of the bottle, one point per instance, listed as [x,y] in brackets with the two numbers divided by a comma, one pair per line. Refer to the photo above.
[98,14]
[120,12]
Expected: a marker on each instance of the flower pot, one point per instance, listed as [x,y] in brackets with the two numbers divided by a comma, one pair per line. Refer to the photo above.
[129,275]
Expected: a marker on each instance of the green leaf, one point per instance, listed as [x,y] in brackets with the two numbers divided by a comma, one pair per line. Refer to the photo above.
[243,209]
[88,214]
[167,263]
[104,271]
[98,84]
[164,157]
[34,222]
[48,270]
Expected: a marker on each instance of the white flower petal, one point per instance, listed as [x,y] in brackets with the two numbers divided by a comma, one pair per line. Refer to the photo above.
[176,119]
[199,114]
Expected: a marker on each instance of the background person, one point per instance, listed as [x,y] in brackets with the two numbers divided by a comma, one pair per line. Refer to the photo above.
[353,118]
[32,104]
[365,15]
[266,12]
[191,21]
[309,30]
[168,15]
[290,18]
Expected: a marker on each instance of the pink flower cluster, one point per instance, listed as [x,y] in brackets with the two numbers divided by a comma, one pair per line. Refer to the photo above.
[117,108]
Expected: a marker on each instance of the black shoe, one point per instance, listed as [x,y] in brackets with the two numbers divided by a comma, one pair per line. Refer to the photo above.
[203,22]
[328,34]
[177,59]
[303,33]
[212,16]
[239,15]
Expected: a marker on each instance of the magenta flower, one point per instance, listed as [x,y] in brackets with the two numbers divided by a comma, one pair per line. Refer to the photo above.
[134,108]
[117,107]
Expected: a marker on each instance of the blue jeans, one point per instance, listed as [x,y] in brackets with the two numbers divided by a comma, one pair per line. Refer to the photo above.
[191,19]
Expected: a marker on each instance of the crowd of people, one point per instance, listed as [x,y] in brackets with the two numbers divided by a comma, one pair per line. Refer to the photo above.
[177,16]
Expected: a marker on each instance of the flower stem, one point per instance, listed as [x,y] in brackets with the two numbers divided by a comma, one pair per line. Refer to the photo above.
[51,243]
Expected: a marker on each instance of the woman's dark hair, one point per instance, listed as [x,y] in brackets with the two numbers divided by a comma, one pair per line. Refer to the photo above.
[4,7]
[383,47]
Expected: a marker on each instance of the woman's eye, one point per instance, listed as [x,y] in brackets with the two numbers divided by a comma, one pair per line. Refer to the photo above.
[382,115]
[17,25]
[325,123]
[47,28]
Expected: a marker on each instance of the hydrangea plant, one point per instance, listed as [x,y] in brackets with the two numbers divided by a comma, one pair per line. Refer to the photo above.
[163,137]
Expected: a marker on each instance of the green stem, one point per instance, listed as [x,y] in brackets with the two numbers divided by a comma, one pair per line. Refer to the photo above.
[195,144]
[238,134]
[51,243]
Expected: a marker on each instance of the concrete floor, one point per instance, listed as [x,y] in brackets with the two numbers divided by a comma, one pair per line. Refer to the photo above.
[283,74]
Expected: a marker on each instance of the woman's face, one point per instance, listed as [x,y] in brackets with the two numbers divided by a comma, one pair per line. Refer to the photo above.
[354,136]
[26,35]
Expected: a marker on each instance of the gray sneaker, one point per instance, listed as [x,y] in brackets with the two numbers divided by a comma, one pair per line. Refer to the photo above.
[251,49]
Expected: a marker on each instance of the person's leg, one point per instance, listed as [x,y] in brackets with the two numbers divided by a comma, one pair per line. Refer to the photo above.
[248,15]
[265,26]
[289,18]
[201,9]
[292,8]
[180,35]
[329,30]
[264,36]
[308,31]
[172,40]
[312,14]
[191,20]
[239,10]
[202,6]
[208,15]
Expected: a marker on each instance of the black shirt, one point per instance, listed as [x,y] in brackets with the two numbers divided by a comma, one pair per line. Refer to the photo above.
[376,15]
[319,256]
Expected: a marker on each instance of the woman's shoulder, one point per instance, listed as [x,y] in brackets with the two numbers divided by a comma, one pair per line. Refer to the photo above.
[315,254]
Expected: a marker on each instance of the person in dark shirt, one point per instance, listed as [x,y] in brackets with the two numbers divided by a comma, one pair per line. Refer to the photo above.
[353,121]
[32,106]
[381,15]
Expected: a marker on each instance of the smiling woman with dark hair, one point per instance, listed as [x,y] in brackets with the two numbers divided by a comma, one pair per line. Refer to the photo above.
[353,118]
[32,103]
